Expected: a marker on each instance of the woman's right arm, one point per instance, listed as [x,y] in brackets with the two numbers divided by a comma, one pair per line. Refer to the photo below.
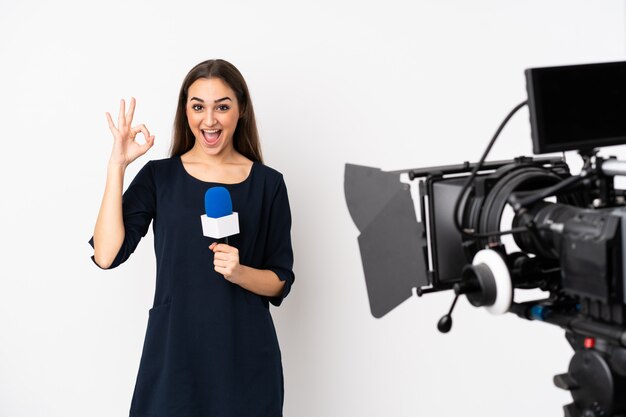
[109,232]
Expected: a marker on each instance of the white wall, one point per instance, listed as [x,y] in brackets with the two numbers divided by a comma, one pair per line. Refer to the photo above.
[393,84]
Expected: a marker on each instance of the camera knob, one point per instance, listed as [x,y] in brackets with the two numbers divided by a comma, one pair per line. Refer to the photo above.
[487,282]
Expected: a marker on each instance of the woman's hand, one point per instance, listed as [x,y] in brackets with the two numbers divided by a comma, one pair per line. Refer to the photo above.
[258,281]
[125,148]
[226,261]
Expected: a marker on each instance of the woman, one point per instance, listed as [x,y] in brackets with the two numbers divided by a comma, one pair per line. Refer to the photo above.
[211,348]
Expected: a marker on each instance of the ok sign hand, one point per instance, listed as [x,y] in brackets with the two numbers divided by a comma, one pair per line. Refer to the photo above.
[125,148]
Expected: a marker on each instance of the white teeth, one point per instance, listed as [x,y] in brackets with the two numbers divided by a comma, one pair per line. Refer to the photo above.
[211,131]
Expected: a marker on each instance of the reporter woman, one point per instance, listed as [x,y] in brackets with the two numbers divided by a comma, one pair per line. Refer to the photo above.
[210,348]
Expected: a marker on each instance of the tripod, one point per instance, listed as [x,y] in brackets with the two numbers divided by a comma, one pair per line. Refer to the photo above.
[596,378]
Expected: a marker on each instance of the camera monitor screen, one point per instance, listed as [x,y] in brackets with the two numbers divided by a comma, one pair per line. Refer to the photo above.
[577,107]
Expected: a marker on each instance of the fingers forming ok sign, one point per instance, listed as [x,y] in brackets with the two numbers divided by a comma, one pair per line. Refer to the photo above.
[125,147]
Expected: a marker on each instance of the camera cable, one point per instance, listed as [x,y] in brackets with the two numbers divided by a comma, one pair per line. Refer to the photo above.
[471,232]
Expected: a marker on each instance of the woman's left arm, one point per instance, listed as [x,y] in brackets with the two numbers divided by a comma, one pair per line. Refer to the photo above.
[259,281]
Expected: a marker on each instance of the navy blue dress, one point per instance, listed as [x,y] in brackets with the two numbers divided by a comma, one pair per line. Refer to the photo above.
[210,348]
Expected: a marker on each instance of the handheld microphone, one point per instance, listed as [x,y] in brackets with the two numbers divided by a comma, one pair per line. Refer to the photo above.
[219,221]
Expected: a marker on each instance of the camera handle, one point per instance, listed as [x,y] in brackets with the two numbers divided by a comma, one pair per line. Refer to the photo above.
[485,283]
[445,323]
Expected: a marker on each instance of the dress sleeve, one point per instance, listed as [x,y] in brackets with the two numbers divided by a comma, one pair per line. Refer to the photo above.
[138,210]
[278,252]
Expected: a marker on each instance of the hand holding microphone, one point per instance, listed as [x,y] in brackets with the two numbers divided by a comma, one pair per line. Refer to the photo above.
[220,222]
[226,261]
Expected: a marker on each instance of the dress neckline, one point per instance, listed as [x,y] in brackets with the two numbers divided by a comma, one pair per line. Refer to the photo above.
[187,174]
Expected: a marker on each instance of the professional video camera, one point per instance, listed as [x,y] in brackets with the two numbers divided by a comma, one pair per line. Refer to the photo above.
[568,231]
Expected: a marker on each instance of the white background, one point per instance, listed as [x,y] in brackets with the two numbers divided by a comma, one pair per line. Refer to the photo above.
[392,84]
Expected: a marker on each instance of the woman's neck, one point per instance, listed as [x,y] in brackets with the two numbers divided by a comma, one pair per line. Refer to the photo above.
[226,168]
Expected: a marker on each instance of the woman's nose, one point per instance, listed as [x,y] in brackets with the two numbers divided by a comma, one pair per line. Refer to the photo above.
[209,118]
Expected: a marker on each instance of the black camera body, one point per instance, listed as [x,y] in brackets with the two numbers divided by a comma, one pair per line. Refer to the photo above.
[581,258]
[488,229]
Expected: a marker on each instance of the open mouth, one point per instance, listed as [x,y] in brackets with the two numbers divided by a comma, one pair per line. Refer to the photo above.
[212,136]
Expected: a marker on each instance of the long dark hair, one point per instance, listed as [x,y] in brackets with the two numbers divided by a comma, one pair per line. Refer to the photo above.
[246,136]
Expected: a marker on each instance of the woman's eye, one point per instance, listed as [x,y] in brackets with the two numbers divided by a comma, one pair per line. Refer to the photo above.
[196,107]
[223,107]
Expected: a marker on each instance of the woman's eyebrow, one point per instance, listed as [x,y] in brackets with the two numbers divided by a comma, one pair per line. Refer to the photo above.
[216,101]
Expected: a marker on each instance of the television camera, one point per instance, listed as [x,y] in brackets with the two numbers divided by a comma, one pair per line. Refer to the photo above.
[568,230]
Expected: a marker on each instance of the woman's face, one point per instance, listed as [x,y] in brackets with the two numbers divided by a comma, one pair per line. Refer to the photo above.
[212,114]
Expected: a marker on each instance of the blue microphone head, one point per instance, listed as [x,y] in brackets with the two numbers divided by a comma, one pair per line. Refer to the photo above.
[217,202]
